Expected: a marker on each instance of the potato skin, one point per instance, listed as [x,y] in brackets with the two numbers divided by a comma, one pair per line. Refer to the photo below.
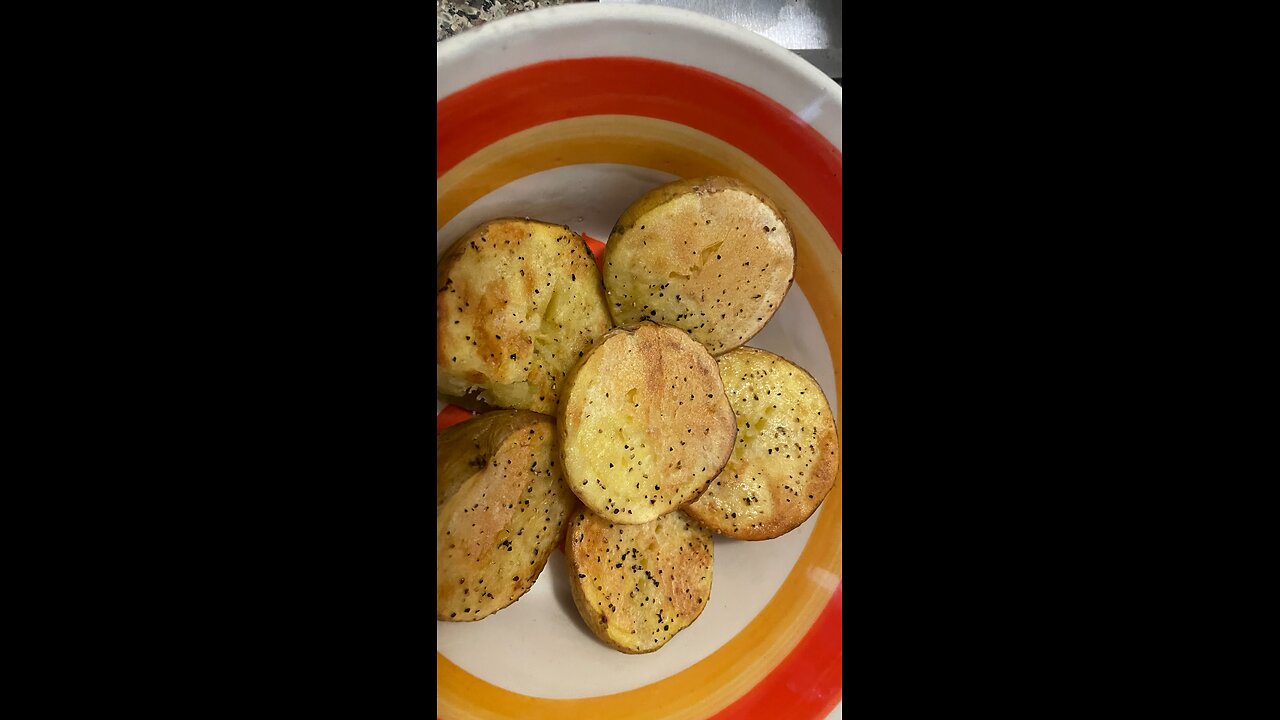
[787,454]
[712,256]
[501,506]
[517,303]
[637,586]
[644,423]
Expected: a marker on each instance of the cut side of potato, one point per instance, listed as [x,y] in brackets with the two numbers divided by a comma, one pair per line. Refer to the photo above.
[787,453]
[712,256]
[501,508]
[517,303]
[636,586]
[644,423]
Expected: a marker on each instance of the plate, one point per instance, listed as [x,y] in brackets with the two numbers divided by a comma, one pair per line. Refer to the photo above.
[568,115]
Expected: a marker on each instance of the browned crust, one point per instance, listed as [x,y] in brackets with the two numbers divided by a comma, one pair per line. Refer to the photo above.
[500,510]
[710,323]
[755,477]
[664,194]
[517,301]
[661,588]
[683,437]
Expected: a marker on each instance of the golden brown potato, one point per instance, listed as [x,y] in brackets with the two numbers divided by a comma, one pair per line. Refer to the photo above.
[644,423]
[712,256]
[636,586]
[501,507]
[517,303]
[786,456]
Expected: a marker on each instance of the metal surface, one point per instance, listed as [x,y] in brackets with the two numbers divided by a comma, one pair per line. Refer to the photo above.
[809,27]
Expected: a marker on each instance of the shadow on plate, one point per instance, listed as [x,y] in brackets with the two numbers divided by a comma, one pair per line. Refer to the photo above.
[557,573]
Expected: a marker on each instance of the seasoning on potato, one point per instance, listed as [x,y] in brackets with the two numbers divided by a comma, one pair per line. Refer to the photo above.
[786,456]
[644,423]
[518,302]
[712,256]
[636,586]
[501,508]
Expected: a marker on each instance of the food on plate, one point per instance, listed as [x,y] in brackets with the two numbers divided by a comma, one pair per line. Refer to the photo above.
[501,508]
[644,423]
[787,452]
[636,586]
[517,303]
[712,256]
[666,429]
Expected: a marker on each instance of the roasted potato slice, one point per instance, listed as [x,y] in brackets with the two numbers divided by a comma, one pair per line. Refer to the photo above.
[644,423]
[636,586]
[501,508]
[517,303]
[787,453]
[712,256]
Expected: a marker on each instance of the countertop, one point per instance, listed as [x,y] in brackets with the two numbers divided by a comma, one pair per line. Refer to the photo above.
[809,28]
[454,16]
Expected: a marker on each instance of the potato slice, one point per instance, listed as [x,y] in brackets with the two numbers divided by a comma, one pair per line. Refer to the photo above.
[787,454]
[636,586]
[501,507]
[518,302]
[644,423]
[712,256]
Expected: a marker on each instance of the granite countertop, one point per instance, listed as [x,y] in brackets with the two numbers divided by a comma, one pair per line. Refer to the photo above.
[809,28]
[454,16]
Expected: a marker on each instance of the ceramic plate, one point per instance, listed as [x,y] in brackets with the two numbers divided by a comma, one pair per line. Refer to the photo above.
[568,115]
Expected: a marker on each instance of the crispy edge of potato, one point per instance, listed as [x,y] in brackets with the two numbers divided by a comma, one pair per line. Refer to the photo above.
[590,615]
[705,185]
[778,529]
[449,386]
[562,424]
[460,440]
[494,429]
